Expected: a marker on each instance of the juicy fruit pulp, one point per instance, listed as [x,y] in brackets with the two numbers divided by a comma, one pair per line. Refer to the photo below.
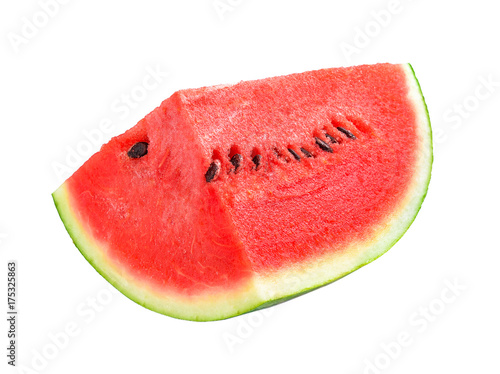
[229,198]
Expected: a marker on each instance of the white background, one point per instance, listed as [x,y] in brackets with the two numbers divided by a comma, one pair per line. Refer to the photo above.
[66,76]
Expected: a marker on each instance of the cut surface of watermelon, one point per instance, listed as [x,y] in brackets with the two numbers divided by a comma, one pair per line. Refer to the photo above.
[231,198]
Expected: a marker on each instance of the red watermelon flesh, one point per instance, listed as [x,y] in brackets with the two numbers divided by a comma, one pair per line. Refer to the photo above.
[252,193]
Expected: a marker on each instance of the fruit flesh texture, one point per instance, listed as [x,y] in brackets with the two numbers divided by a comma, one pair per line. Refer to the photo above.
[289,210]
[158,220]
[154,215]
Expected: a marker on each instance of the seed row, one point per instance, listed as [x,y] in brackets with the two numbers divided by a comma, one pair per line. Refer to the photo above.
[237,159]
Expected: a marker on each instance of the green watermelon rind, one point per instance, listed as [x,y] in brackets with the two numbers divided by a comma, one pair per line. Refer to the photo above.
[251,301]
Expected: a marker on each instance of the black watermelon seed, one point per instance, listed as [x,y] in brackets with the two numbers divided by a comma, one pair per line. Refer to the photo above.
[306,152]
[236,161]
[349,134]
[257,159]
[138,150]
[212,171]
[294,154]
[325,147]
[332,139]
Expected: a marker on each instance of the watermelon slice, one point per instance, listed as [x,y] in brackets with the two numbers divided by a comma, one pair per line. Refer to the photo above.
[236,197]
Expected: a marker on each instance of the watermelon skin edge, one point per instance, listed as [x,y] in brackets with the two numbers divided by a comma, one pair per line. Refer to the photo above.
[254,296]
